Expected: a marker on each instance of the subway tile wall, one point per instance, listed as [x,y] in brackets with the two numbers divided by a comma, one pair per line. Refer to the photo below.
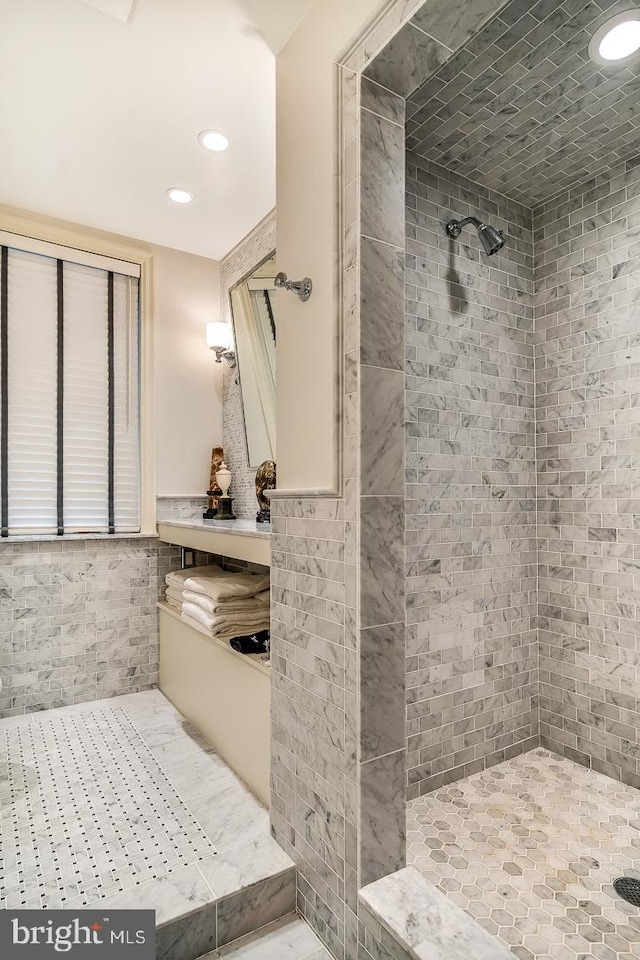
[78,619]
[587,318]
[472,667]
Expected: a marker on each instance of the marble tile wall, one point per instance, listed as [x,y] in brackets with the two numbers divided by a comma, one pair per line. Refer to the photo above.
[470,483]
[587,310]
[313,718]
[78,619]
[252,250]
[379,382]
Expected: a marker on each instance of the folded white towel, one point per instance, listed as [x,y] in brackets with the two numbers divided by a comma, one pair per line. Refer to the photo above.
[244,605]
[174,596]
[224,635]
[228,585]
[237,624]
[176,578]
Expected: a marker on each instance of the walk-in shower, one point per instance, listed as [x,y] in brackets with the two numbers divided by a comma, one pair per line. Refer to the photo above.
[521,421]
[491,239]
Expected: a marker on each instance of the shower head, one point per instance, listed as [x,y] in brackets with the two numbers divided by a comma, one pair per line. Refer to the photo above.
[491,239]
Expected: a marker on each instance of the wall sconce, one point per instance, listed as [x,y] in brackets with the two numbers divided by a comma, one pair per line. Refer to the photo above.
[220,340]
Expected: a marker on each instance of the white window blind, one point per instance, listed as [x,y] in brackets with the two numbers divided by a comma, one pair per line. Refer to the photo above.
[69,397]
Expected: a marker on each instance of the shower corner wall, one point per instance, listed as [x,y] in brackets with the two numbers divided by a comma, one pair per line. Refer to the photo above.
[472,674]
[588,422]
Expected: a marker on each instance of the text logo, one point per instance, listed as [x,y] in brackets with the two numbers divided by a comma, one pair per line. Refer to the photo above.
[80,934]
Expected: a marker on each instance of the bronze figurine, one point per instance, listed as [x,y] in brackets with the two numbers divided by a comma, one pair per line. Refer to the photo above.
[265,480]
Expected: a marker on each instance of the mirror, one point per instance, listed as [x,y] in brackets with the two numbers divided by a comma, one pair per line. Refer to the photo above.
[252,310]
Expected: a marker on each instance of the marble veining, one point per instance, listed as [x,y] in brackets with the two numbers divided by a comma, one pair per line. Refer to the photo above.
[429,926]
[382,816]
[382,295]
[382,554]
[382,446]
[452,22]
[409,56]
[381,198]
[240,527]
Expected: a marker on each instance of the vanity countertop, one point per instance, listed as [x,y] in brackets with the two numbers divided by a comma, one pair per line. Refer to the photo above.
[240,539]
[241,528]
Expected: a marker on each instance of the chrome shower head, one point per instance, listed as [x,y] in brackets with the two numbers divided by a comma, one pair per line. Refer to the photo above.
[491,239]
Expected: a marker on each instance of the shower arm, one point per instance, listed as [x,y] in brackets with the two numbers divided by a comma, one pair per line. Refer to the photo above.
[454,227]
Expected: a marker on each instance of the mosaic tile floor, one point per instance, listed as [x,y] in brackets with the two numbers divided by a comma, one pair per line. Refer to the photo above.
[86,811]
[100,800]
[530,848]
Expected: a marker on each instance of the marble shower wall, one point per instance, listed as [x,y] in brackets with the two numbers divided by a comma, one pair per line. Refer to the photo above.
[78,619]
[472,668]
[377,377]
[313,718]
[587,309]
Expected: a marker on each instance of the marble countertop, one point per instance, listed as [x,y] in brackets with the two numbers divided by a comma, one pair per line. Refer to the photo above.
[241,528]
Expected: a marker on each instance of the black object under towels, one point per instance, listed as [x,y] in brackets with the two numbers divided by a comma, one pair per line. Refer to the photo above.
[252,643]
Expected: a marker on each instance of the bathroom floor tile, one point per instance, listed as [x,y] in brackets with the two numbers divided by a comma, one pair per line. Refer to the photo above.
[530,848]
[93,809]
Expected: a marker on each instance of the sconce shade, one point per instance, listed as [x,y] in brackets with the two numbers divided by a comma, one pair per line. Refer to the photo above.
[219,336]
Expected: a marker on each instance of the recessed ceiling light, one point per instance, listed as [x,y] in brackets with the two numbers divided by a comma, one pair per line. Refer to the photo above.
[618,40]
[178,195]
[213,140]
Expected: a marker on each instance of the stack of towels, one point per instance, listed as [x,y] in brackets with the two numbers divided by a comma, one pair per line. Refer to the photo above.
[226,604]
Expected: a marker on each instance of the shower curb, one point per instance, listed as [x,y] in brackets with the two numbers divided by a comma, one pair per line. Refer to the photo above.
[409,919]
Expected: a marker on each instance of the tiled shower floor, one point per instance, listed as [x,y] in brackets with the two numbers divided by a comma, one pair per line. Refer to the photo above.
[530,849]
[122,801]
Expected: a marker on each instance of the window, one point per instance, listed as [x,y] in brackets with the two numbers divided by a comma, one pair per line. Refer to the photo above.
[69,390]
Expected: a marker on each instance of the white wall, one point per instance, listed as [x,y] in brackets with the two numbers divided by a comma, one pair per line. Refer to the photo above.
[188,382]
[187,378]
[306,110]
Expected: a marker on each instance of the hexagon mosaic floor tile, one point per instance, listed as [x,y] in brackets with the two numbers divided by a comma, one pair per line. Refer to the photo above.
[530,848]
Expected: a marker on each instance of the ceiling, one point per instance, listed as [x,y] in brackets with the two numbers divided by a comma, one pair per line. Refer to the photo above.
[99,114]
[523,110]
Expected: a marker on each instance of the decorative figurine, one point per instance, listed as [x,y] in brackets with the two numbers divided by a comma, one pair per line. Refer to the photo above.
[223,479]
[265,480]
[214,492]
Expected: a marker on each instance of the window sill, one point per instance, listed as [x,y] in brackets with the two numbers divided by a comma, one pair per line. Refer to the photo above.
[54,538]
